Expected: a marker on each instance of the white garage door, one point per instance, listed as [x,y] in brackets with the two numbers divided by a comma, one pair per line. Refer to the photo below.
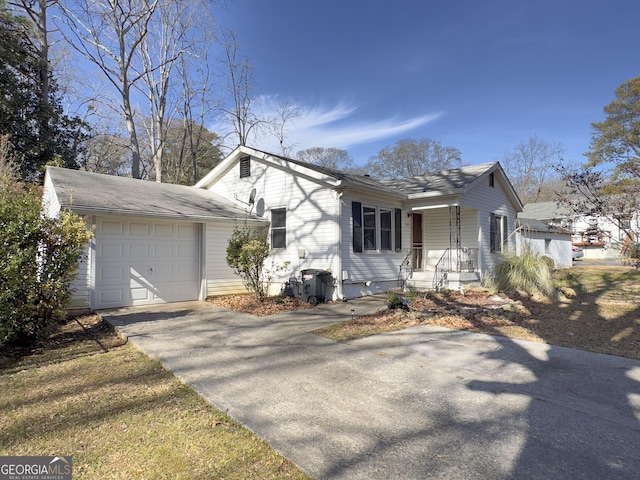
[140,262]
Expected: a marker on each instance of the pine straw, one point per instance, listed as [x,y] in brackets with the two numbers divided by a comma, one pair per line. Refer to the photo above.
[586,322]
[249,304]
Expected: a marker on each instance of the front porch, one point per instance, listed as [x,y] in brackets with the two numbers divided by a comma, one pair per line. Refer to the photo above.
[445,249]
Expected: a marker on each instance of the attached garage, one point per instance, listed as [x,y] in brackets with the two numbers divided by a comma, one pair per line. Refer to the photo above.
[140,262]
[153,242]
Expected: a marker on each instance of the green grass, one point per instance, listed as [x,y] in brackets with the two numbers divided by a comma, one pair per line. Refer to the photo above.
[119,414]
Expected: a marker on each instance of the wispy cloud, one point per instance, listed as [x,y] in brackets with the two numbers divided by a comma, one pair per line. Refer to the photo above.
[337,125]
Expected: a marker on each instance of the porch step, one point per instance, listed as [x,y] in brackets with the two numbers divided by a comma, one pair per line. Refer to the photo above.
[454,280]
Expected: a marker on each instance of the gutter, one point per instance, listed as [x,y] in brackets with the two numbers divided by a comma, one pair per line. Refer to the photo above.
[168,216]
[338,275]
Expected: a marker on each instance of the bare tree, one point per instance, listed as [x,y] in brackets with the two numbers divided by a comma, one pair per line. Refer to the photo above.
[170,36]
[531,165]
[180,160]
[37,11]
[109,34]
[9,161]
[239,114]
[285,111]
[408,158]
[334,158]
[108,154]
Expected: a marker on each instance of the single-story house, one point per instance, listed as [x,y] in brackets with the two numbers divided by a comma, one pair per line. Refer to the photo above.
[160,242]
[153,242]
[430,231]
[546,239]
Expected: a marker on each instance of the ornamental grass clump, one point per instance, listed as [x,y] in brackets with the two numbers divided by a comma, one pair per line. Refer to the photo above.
[528,272]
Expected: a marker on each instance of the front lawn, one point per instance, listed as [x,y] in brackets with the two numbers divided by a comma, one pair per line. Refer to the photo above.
[86,393]
[603,316]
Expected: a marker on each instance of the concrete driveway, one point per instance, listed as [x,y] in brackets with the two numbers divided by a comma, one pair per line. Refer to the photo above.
[420,403]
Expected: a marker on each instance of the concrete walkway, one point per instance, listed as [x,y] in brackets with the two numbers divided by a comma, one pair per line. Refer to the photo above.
[420,403]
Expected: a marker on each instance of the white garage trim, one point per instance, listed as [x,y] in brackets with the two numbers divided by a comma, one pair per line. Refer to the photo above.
[142,261]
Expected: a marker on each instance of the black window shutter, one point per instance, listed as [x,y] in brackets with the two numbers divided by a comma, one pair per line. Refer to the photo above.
[398,229]
[356,213]
[505,232]
[492,232]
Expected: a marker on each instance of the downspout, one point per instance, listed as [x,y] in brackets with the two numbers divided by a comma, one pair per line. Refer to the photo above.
[338,242]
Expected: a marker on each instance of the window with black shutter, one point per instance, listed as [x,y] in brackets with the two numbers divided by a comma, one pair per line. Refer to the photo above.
[498,234]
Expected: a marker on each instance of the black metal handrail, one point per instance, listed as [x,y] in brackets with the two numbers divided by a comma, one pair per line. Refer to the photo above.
[442,268]
[402,277]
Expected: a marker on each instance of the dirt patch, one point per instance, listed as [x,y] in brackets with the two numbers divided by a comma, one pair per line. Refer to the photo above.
[249,304]
[477,310]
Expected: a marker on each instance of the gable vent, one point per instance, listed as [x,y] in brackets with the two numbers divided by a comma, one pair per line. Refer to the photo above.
[245,167]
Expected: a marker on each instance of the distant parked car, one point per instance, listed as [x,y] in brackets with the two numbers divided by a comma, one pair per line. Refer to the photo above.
[576,252]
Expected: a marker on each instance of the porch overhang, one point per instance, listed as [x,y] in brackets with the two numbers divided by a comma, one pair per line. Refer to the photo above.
[439,202]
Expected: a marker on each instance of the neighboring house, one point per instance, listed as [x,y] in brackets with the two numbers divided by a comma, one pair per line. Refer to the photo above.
[546,239]
[598,236]
[439,230]
[153,242]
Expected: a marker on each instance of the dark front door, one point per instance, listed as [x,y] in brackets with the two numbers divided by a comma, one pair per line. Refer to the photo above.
[416,229]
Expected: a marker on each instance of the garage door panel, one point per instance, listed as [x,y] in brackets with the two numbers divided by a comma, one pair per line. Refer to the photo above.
[183,251]
[111,297]
[110,227]
[161,229]
[163,250]
[138,251]
[164,272]
[111,273]
[186,231]
[138,228]
[147,263]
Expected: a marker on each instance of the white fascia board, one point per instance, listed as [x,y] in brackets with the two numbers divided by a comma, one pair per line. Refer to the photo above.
[208,180]
[220,169]
[297,169]
[440,202]
[432,194]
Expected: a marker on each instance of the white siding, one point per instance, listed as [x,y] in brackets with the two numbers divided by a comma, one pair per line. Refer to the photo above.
[311,220]
[379,268]
[555,246]
[221,280]
[436,231]
[486,200]
[81,286]
[50,202]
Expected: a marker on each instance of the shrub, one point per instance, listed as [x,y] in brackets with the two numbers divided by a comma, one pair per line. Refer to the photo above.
[246,253]
[39,259]
[396,301]
[549,261]
[527,272]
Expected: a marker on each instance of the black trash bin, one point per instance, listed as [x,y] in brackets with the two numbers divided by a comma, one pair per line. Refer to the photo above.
[314,285]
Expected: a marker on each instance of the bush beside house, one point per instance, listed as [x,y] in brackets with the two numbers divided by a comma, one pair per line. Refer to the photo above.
[39,257]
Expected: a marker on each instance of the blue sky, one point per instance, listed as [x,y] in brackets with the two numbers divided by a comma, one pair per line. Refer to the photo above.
[481,76]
